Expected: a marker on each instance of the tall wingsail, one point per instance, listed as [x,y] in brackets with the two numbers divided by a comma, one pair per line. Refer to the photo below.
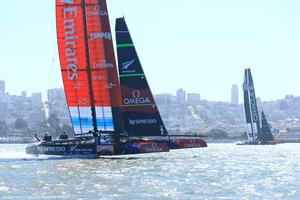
[88,65]
[250,108]
[141,115]
[266,133]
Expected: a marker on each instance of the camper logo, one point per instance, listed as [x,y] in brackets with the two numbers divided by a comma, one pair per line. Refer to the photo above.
[105,149]
[100,35]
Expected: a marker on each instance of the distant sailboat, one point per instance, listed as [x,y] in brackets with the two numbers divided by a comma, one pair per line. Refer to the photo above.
[108,118]
[256,134]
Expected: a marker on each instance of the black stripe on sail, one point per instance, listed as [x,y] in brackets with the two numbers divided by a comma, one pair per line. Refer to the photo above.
[250,106]
[141,115]
[247,107]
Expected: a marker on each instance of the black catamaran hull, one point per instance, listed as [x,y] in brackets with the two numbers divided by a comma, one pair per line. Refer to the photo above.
[89,147]
[79,147]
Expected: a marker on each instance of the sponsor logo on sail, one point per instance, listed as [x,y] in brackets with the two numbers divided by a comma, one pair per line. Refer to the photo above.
[102,64]
[136,99]
[101,35]
[96,11]
[127,64]
[69,13]
[142,121]
[253,106]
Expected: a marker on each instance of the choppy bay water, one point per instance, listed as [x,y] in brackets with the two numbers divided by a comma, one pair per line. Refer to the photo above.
[221,171]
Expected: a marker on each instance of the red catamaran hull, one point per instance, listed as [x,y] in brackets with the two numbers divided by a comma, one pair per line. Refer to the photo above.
[184,143]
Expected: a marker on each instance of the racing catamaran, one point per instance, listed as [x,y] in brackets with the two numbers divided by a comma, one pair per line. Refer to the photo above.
[110,116]
[256,133]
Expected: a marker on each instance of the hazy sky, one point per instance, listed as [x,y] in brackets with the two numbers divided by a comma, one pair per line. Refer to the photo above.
[202,46]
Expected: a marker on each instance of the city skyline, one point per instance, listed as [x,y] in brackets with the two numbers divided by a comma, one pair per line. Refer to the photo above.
[207,54]
[181,93]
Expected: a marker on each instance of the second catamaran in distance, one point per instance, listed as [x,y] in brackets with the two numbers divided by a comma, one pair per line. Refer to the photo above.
[256,133]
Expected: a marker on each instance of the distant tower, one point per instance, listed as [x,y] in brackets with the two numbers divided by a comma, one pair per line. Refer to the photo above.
[193,98]
[181,96]
[24,94]
[2,86]
[235,95]
[37,100]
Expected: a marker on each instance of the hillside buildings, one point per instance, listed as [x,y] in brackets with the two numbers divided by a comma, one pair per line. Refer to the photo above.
[183,113]
[20,111]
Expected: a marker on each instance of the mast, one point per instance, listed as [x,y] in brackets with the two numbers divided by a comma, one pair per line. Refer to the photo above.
[90,83]
[250,108]
[141,115]
[112,74]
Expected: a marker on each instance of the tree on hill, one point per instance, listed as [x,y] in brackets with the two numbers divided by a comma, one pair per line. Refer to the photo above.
[217,134]
[21,124]
[3,128]
[53,125]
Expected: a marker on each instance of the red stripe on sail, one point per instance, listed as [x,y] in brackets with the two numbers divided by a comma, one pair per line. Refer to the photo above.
[72,52]
[102,59]
[73,48]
